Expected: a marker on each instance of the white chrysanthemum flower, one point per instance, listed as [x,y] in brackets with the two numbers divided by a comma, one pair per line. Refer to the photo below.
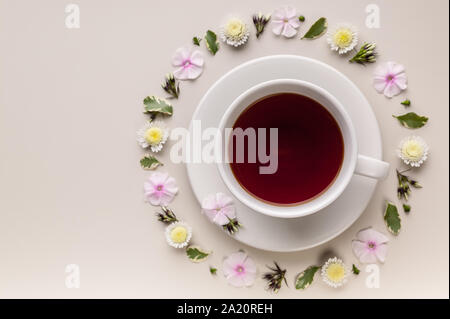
[334,272]
[178,234]
[413,150]
[154,134]
[235,32]
[342,38]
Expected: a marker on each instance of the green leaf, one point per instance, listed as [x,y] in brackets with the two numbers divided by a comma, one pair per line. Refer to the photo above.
[150,162]
[406,208]
[305,278]
[196,41]
[392,218]
[197,254]
[213,270]
[317,29]
[355,270]
[406,103]
[211,42]
[411,120]
[155,105]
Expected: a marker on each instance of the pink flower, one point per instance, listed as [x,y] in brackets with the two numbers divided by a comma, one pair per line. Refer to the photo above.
[285,21]
[160,189]
[239,269]
[370,245]
[189,63]
[390,79]
[219,208]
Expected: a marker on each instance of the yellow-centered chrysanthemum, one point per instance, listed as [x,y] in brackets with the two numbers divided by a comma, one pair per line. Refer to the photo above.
[342,38]
[334,272]
[235,28]
[178,234]
[413,150]
[235,32]
[154,134]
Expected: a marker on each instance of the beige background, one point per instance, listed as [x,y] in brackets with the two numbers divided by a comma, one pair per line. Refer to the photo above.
[71,186]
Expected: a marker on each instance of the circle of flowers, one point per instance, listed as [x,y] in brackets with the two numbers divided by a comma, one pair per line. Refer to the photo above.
[198,64]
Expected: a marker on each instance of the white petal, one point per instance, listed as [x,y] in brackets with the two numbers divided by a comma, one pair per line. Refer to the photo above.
[220,219]
[289,31]
[401,81]
[166,199]
[237,258]
[381,71]
[170,190]
[278,14]
[290,12]
[359,248]
[194,71]
[381,252]
[223,200]
[154,199]
[379,83]
[197,58]
[181,73]
[149,185]
[227,268]
[249,279]
[158,178]
[391,90]
[368,258]
[181,55]
[390,67]
[229,211]
[171,184]
[250,265]
[370,234]
[294,22]
[209,202]
[236,280]
[397,68]
[277,27]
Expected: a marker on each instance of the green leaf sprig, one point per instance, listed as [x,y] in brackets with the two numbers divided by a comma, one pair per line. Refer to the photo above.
[197,254]
[406,208]
[366,54]
[196,41]
[392,218]
[154,105]
[211,42]
[411,120]
[150,162]
[275,278]
[406,103]
[233,226]
[260,21]
[167,216]
[404,183]
[212,270]
[355,270]
[317,29]
[171,86]
[306,277]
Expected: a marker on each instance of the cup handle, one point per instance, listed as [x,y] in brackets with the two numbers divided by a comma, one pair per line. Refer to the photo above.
[371,167]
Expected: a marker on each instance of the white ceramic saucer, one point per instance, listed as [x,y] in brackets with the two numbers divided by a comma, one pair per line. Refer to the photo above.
[293,234]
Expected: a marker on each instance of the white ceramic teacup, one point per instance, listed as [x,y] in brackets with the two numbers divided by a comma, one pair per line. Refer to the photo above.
[353,163]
